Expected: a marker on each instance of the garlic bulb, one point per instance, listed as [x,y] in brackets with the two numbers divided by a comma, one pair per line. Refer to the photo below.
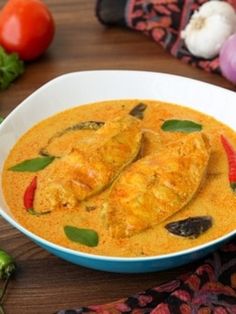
[208,29]
[219,8]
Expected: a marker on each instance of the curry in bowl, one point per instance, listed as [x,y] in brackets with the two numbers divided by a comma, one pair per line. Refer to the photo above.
[124,178]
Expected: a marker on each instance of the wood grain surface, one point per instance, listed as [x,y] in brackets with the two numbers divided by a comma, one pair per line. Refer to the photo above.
[44,283]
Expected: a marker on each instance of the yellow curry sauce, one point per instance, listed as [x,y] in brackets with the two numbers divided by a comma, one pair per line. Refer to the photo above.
[215,198]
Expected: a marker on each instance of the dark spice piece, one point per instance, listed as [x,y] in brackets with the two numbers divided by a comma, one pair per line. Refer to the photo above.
[90,208]
[191,227]
[138,111]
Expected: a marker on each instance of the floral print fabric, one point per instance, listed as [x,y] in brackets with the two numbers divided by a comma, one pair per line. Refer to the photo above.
[211,289]
[163,20]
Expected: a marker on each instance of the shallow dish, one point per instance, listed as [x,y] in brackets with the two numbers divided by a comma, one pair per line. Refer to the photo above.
[86,87]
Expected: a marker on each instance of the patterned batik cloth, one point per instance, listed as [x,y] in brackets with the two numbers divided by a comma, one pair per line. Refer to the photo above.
[162,20]
[211,289]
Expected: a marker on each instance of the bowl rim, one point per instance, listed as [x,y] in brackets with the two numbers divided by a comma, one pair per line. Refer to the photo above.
[41,241]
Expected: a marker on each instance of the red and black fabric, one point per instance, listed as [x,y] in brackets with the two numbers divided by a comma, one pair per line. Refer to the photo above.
[211,289]
[162,20]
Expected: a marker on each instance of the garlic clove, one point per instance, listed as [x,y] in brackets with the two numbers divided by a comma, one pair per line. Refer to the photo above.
[204,36]
[218,8]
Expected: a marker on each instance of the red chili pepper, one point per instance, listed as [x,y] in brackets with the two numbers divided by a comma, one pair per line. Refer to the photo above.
[29,194]
[231,156]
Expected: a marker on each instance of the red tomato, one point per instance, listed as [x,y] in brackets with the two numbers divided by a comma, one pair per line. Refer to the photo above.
[26,27]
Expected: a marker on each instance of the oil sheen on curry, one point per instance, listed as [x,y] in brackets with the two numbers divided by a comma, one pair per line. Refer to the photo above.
[124,178]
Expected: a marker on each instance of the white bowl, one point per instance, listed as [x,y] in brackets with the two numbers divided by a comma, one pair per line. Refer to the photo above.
[84,87]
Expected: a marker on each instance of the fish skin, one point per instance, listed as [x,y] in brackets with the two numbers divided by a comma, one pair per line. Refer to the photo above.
[94,163]
[157,186]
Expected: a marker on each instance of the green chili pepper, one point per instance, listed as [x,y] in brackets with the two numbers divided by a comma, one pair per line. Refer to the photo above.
[7,268]
[7,265]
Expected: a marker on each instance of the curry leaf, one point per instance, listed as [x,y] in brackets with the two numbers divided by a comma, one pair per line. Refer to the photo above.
[87,237]
[1,119]
[185,126]
[32,165]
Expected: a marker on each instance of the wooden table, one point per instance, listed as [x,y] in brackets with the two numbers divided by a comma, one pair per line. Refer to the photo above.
[44,283]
